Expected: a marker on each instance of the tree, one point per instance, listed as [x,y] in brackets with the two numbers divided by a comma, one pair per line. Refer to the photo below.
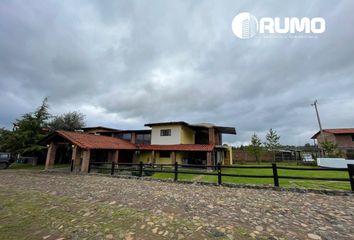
[68,121]
[29,130]
[255,147]
[329,148]
[272,142]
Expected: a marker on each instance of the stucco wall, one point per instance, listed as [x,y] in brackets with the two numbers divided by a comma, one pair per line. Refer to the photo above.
[175,137]
[187,135]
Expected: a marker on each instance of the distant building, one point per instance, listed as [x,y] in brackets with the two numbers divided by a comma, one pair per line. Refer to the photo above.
[343,137]
[163,143]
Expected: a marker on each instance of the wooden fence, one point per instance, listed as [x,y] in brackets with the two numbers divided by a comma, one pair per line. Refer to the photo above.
[141,169]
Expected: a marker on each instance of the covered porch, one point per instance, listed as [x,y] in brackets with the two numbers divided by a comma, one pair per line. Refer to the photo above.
[186,154]
[79,149]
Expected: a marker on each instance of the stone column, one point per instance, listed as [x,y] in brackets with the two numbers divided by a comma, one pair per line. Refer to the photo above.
[52,150]
[75,157]
[86,161]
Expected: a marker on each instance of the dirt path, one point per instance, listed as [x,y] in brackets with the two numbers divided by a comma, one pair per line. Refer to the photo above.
[201,212]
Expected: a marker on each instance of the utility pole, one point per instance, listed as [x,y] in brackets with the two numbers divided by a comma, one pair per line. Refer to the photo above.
[319,120]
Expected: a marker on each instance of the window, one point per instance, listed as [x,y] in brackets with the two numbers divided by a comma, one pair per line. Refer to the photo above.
[125,136]
[143,138]
[165,154]
[165,132]
[353,138]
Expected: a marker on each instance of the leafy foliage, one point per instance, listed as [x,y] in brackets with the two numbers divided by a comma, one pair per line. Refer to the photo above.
[32,127]
[67,121]
[329,148]
[28,131]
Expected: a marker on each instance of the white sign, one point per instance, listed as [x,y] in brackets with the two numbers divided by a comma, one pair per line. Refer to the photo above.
[246,25]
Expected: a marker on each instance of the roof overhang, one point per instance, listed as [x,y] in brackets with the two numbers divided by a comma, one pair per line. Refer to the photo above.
[166,123]
[89,141]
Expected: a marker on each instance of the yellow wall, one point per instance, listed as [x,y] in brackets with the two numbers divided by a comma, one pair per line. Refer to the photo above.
[187,135]
[180,134]
[146,157]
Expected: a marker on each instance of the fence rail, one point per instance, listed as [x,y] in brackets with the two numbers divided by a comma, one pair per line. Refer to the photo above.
[176,169]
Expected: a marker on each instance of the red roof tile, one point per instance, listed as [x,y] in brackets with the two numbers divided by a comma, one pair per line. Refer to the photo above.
[177,147]
[90,141]
[336,131]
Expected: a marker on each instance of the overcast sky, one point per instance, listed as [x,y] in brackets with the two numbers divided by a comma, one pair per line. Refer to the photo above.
[126,63]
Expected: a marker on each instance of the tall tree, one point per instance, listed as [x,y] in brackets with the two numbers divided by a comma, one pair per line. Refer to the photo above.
[28,131]
[272,142]
[255,147]
[68,121]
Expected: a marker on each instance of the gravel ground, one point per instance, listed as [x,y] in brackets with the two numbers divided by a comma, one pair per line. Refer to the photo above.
[205,211]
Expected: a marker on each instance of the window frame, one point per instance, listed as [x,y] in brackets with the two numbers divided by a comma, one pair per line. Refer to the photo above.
[165,132]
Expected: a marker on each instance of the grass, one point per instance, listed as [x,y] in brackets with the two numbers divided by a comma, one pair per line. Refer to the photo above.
[317,184]
[26,214]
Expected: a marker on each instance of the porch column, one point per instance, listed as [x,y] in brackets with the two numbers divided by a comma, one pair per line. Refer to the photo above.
[173,157]
[52,149]
[209,159]
[153,159]
[85,161]
[115,156]
[75,157]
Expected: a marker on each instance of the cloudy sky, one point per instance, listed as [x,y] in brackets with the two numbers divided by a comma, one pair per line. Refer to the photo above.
[126,63]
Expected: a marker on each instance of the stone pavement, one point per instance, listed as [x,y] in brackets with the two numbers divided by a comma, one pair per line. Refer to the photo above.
[258,213]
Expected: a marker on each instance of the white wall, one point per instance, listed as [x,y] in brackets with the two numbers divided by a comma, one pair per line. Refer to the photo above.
[334,162]
[175,137]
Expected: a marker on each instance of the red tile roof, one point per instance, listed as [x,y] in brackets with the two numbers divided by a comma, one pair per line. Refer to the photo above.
[177,147]
[336,131]
[90,141]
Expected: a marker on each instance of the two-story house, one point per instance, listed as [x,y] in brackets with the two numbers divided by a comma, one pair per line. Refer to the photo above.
[162,143]
[342,137]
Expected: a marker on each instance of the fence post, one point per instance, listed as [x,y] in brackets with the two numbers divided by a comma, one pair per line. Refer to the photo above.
[176,171]
[219,173]
[351,175]
[112,168]
[275,175]
[141,169]
[72,165]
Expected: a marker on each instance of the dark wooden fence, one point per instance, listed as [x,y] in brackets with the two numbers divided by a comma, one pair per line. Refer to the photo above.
[141,169]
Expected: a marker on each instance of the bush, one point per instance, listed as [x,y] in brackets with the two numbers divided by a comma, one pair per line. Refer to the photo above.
[148,173]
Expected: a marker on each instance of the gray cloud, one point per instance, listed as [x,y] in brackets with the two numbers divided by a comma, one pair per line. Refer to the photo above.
[124,63]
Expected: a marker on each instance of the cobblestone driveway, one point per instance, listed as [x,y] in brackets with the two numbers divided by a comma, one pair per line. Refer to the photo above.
[262,214]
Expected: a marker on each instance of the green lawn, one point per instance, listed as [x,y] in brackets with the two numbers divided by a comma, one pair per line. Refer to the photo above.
[318,184]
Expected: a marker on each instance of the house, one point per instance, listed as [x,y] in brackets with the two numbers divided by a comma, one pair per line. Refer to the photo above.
[161,143]
[343,137]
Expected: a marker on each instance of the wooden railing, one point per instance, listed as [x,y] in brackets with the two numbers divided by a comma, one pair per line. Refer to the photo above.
[141,169]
